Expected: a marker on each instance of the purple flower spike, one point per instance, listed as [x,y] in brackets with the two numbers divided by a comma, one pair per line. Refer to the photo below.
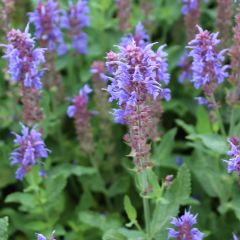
[140,37]
[74,20]
[189,5]
[46,19]
[23,59]
[31,148]
[184,230]
[207,67]
[234,161]
[138,74]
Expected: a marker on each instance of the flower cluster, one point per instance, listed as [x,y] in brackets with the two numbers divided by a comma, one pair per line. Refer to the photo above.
[207,67]
[79,111]
[185,65]
[138,73]
[140,37]
[46,19]
[234,153]
[184,229]
[74,20]
[23,59]
[31,148]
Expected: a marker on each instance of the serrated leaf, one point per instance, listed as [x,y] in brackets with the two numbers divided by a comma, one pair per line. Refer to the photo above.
[4,228]
[113,235]
[54,187]
[177,194]
[129,209]
[165,148]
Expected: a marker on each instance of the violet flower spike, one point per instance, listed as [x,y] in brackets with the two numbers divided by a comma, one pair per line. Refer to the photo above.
[46,19]
[234,162]
[75,20]
[31,148]
[184,230]
[136,71]
[207,67]
[23,59]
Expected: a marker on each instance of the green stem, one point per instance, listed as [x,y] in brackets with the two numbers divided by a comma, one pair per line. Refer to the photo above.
[232,122]
[219,118]
[146,207]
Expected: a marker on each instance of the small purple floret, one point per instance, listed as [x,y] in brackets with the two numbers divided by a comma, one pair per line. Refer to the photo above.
[31,148]
[184,228]
[140,37]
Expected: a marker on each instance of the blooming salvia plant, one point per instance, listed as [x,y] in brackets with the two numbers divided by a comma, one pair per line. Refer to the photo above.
[138,76]
[75,19]
[23,66]
[30,149]
[46,19]
[183,228]
[79,111]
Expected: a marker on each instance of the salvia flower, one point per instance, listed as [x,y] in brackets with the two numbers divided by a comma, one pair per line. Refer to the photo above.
[46,18]
[184,228]
[185,66]
[42,237]
[75,20]
[79,111]
[207,67]
[137,73]
[234,162]
[140,37]
[31,148]
[23,59]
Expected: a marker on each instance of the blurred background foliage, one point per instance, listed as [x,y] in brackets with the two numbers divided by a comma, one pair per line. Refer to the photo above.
[72,199]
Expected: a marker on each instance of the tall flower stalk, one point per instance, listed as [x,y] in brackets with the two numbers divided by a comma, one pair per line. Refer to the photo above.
[138,74]
[208,68]
[123,14]
[233,97]
[224,20]
[23,66]
[79,111]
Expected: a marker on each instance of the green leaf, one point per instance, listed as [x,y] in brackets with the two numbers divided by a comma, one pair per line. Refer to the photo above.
[177,194]
[54,187]
[113,235]
[129,209]
[4,228]
[120,186]
[203,123]
[99,221]
[164,149]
